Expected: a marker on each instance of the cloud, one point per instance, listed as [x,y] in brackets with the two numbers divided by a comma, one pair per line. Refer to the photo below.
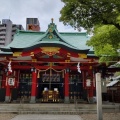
[44,10]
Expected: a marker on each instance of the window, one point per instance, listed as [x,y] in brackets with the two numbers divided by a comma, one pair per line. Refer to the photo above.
[35,20]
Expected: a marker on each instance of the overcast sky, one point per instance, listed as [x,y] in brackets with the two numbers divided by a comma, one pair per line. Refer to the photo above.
[44,10]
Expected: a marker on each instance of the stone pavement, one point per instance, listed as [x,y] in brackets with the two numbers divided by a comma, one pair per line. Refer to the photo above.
[47,117]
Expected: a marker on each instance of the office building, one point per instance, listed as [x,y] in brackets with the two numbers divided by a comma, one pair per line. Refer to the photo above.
[7,31]
[32,24]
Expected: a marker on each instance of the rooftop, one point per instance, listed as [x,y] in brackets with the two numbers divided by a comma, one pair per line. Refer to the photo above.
[27,40]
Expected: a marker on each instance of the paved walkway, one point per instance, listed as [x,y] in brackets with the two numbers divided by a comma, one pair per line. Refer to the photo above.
[47,117]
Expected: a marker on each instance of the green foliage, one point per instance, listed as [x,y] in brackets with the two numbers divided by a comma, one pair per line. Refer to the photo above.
[117,74]
[106,42]
[101,16]
[88,13]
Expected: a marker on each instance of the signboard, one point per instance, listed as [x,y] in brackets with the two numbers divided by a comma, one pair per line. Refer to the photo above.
[11,81]
[88,82]
[33,27]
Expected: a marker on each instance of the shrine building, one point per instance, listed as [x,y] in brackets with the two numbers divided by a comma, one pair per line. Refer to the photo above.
[49,66]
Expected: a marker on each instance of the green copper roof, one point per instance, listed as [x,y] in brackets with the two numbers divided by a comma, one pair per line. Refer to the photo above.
[27,40]
[23,39]
[77,39]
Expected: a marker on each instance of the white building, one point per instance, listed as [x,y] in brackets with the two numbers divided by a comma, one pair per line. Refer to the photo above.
[7,31]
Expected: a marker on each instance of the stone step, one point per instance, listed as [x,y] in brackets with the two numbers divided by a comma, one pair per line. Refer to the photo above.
[53,108]
[47,104]
[44,109]
[55,112]
[52,111]
[60,109]
[47,108]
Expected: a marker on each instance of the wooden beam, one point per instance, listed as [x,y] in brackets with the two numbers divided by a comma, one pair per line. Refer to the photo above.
[26,67]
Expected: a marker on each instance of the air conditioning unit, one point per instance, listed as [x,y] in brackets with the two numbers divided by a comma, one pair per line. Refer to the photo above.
[11,81]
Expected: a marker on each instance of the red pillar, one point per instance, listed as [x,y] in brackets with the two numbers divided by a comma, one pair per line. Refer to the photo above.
[8,92]
[33,89]
[66,85]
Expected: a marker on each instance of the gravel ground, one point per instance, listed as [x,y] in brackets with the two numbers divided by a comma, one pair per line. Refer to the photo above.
[7,116]
[106,116]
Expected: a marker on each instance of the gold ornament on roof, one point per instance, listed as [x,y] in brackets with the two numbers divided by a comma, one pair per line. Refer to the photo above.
[52,20]
[50,51]
[50,36]
[50,30]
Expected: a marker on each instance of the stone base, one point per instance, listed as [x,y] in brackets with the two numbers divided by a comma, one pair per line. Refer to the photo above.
[7,99]
[92,100]
[66,100]
[33,99]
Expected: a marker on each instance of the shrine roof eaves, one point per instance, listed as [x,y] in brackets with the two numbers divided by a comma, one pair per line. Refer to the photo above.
[57,44]
[26,40]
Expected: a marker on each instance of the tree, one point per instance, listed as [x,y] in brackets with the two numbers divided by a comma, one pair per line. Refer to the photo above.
[100,16]
[106,42]
[88,13]
[117,74]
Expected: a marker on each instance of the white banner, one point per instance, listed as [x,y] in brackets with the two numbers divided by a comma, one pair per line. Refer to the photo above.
[78,67]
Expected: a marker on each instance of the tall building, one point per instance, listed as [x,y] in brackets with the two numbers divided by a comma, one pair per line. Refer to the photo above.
[7,31]
[32,24]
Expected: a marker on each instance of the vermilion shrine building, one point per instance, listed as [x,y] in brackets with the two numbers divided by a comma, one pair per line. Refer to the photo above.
[48,66]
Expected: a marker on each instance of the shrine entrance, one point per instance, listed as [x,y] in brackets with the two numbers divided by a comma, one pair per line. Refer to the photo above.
[50,87]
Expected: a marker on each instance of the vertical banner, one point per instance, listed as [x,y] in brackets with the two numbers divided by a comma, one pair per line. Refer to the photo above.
[9,67]
[78,67]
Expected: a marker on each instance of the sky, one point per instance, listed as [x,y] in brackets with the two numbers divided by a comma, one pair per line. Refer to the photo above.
[18,10]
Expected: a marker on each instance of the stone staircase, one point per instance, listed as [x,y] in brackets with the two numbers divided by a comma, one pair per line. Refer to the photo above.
[48,108]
